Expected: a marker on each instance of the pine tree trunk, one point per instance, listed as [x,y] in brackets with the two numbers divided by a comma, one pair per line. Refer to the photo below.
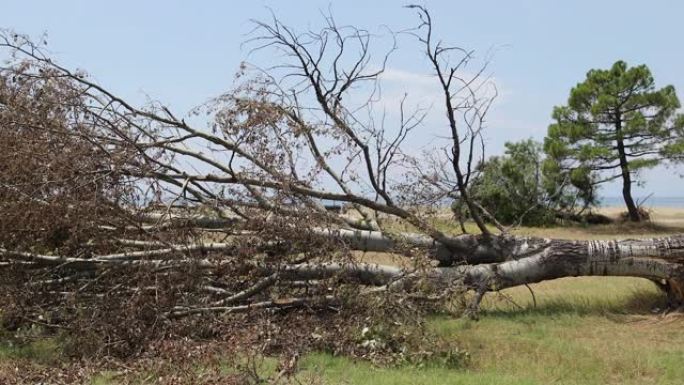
[632,209]
[626,177]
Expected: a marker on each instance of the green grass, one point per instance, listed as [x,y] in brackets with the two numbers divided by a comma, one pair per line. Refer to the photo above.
[583,331]
[43,351]
[590,330]
[104,378]
[337,370]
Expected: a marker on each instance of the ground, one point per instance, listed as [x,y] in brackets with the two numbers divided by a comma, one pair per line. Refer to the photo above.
[575,335]
[590,330]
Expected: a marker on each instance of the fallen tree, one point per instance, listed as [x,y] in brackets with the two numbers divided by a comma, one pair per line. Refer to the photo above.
[231,219]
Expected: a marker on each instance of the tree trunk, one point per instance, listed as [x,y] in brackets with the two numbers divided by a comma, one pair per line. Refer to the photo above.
[634,215]
[657,259]
[508,261]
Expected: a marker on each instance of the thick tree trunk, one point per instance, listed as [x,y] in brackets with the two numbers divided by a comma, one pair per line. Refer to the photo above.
[659,259]
[509,261]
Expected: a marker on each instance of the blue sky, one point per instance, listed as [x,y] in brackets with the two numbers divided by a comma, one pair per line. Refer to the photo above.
[183,53]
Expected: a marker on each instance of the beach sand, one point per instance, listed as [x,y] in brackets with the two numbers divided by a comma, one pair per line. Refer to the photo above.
[666,216]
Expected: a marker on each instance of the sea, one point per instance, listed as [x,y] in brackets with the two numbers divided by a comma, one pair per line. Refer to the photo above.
[614,201]
[652,201]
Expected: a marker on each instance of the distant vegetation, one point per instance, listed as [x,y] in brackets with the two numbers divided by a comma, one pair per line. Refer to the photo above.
[516,188]
[615,126]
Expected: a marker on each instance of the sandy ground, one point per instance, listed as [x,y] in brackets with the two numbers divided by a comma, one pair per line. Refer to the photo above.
[669,216]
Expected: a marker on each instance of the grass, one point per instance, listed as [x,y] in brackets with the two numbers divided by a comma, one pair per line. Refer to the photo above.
[44,351]
[582,331]
[589,330]
[333,370]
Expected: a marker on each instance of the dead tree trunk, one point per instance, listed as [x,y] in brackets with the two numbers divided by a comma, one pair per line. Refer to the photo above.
[509,261]
[658,259]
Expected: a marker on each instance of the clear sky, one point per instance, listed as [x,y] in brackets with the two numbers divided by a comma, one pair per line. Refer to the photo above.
[184,52]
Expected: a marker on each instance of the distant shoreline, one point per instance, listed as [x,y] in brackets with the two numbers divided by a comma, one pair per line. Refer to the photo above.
[650,202]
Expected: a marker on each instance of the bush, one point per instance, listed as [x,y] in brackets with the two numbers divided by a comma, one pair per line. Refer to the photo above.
[511,187]
[522,187]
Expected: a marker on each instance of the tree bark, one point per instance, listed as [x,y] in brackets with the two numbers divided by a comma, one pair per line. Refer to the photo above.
[514,261]
[634,215]
[660,259]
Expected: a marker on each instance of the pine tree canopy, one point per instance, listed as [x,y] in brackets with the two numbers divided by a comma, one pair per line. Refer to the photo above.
[616,123]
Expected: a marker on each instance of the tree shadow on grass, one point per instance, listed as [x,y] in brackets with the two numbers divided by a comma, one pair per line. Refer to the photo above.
[634,229]
[637,302]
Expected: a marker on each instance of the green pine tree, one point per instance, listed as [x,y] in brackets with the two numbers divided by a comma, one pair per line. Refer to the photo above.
[615,124]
